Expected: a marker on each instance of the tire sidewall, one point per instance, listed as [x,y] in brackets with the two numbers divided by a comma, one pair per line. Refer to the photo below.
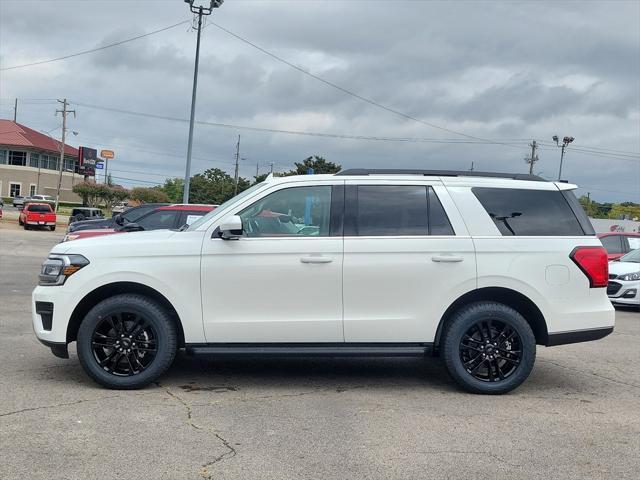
[139,305]
[459,326]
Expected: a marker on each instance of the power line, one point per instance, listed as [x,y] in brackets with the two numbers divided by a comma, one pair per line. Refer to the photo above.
[295,132]
[353,94]
[93,50]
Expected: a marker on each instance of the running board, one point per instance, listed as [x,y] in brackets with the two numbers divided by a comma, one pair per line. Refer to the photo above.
[310,349]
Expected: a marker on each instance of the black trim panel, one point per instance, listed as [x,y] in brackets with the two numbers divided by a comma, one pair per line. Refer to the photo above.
[577,336]
[337,210]
[60,350]
[311,349]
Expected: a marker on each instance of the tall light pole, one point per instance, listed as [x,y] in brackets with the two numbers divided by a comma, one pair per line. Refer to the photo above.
[565,141]
[200,11]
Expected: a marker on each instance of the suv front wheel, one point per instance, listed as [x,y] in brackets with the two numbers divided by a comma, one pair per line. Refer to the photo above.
[488,348]
[126,342]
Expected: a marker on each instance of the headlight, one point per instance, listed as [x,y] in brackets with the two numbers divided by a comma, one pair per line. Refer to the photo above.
[630,276]
[57,268]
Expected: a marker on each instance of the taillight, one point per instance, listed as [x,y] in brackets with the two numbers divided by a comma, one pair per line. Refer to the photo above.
[594,264]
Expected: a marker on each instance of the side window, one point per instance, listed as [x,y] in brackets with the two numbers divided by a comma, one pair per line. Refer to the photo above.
[391,210]
[612,244]
[291,212]
[518,211]
[159,219]
[634,243]
[399,210]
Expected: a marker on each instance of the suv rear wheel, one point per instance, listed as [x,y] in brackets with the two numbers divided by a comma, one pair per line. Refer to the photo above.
[488,348]
[126,342]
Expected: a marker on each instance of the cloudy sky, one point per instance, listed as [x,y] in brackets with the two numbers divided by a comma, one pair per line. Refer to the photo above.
[503,71]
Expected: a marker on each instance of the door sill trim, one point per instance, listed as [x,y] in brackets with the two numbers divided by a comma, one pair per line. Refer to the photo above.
[310,349]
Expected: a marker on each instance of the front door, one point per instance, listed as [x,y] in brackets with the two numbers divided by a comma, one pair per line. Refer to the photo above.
[282,280]
[404,263]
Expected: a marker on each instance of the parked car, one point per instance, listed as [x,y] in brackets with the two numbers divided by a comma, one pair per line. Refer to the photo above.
[169,216]
[475,267]
[42,198]
[119,208]
[79,214]
[18,201]
[128,216]
[619,243]
[37,215]
[624,280]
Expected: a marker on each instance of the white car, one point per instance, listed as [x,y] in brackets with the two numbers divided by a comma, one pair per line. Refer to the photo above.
[624,280]
[475,267]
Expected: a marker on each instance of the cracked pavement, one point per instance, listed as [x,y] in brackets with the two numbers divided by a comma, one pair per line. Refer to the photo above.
[578,415]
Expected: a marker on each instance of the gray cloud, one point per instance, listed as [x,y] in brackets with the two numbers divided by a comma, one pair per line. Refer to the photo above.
[503,70]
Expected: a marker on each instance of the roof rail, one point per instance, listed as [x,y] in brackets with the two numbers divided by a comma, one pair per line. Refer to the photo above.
[439,173]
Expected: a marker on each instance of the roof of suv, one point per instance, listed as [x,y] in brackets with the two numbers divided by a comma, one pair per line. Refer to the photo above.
[447,177]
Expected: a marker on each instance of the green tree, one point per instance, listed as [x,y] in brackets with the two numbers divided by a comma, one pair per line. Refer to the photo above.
[214,186]
[318,164]
[149,195]
[629,210]
[174,187]
[95,194]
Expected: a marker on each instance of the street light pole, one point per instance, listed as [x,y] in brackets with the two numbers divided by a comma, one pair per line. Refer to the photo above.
[200,11]
[565,141]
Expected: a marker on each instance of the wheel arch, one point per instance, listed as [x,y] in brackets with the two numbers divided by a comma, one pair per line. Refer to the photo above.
[109,290]
[516,300]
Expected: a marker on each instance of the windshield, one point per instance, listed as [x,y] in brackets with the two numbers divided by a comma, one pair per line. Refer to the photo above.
[224,207]
[633,256]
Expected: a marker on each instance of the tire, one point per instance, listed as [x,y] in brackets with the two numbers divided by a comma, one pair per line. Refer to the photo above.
[20,222]
[26,227]
[52,228]
[481,367]
[104,324]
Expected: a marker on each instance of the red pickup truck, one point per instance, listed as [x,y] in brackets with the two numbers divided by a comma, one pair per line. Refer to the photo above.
[37,215]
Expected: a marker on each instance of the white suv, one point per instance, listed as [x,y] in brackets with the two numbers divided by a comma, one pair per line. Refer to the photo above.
[478,268]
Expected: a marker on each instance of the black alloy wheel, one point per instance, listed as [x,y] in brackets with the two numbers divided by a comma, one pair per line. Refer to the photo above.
[491,350]
[127,341]
[124,343]
[488,348]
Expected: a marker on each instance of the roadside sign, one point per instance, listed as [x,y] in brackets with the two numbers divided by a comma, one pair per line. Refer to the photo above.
[99,166]
[87,160]
[107,153]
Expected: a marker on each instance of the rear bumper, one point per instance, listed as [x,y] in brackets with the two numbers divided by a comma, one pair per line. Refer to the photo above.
[576,336]
[37,223]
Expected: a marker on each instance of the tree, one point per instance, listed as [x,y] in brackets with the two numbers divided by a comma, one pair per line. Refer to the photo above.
[95,194]
[149,195]
[174,187]
[318,164]
[627,210]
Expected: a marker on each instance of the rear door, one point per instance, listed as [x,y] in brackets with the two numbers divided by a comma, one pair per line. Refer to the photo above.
[407,257]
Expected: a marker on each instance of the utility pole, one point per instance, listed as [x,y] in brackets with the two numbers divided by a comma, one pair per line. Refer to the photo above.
[15,110]
[257,169]
[533,158]
[200,11]
[64,113]
[235,175]
[271,167]
[471,169]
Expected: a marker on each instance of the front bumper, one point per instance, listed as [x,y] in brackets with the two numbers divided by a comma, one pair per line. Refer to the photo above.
[624,293]
[51,328]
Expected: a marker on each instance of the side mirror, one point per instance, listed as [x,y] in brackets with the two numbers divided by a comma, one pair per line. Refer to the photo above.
[131,227]
[231,228]
[119,219]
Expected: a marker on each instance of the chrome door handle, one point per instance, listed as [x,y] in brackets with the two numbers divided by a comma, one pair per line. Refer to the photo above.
[447,258]
[316,259]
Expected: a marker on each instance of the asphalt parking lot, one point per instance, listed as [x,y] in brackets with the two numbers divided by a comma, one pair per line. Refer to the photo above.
[578,415]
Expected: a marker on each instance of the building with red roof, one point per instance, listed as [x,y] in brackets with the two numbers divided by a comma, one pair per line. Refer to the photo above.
[29,163]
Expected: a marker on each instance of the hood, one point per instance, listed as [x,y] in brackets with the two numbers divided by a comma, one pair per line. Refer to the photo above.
[106,245]
[620,268]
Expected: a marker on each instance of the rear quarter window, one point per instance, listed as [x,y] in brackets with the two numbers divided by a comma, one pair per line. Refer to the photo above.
[521,212]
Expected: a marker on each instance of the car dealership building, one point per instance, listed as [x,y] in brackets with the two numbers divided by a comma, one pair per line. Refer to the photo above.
[29,164]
